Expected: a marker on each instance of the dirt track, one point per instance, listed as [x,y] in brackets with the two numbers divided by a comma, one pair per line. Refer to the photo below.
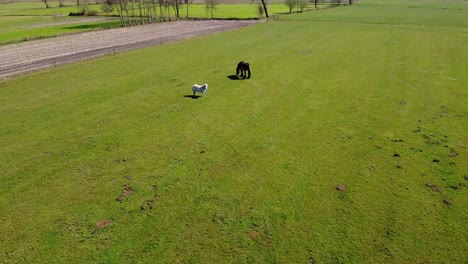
[29,56]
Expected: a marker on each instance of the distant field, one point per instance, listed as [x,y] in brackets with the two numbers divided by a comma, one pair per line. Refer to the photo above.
[347,145]
[31,20]
[15,29]
[241,10]
[404,14]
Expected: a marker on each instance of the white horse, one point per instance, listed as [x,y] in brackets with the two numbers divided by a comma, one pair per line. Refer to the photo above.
[199,88]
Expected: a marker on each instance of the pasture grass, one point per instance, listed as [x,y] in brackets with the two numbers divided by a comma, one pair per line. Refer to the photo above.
[366,12]
[195,10]
[232,11]
[31,20]
[22,28]
[112,160]
[39,9]
[426,4]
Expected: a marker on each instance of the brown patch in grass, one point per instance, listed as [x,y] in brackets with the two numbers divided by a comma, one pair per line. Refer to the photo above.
[252,234]
[453,153]
[102,223]
[127,191]
[342,187]
[448,201]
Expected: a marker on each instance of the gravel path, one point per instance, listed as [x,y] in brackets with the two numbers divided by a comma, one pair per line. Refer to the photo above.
[29,56]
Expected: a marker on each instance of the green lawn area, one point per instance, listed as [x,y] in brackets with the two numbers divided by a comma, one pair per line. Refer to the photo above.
[232,11]
[20,28]
[38,9]
[112,161]
[31,20]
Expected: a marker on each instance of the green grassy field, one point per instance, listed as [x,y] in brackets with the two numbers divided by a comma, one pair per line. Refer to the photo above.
[231,11]
[38,9]
[31,20]
[112,161]
[22,28]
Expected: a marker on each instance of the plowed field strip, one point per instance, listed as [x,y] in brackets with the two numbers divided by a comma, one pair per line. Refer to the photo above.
[29,56]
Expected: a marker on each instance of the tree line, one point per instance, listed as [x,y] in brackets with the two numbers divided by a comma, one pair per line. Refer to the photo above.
[139,12]
[302,4]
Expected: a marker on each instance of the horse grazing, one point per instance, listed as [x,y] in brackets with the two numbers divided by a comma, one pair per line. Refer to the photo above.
[244,69]
[199,88]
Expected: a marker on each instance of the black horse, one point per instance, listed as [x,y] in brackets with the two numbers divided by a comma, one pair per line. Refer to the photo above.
[244,69]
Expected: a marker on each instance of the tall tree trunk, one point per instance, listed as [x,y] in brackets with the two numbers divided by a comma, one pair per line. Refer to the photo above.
[128,14]
[168,11]
[161,12]
[120,11]
[265,8]
[176,7]
[134,13]
[155,10]
[141,10]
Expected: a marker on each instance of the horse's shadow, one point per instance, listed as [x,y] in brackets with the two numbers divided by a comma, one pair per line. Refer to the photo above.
[192,96]
[234,77]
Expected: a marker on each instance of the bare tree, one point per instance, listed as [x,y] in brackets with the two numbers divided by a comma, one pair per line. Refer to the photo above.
[291,4]
[211,6]
[264,3]
[167,7]
[336,2]
[302,4]
[133,11]
[176,8]
[84,7]
[260,10]
[107,7]
[161,12]
[136,12]
[46,2]
[187,2]
[141,11]
[154,10]
[118,7]
[124,8]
